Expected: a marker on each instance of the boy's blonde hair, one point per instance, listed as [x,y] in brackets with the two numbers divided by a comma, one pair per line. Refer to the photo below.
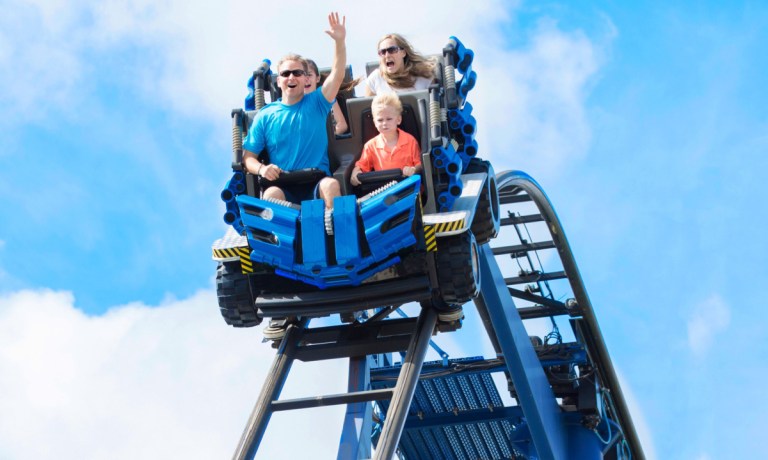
[387,100]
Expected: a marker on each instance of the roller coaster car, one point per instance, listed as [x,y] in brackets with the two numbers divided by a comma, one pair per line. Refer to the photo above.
[395,240]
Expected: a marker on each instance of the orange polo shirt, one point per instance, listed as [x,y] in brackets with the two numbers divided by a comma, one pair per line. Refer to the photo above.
[375,156]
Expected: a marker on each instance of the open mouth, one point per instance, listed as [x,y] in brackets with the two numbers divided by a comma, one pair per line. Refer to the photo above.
[389,63]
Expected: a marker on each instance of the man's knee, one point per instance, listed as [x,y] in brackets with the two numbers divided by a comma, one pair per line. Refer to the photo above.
[329,187]
[274,192]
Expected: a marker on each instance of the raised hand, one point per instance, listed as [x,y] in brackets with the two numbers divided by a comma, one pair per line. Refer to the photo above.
[338,30]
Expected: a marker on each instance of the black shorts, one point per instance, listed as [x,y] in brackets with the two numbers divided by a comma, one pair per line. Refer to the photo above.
[297,186]
[296,193]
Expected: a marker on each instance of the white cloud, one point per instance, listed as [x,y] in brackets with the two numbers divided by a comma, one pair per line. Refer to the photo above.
[144,382]
[529,101]
[531,112]
[174,381]
[710,317]
[171,381]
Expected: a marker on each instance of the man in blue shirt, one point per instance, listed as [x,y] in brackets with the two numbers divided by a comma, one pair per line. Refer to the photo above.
[293,129]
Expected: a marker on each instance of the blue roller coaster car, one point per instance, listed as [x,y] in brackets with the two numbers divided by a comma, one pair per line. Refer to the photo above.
[390,241]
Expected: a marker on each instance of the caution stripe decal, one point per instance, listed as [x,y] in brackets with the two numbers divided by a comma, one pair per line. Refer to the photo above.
[224,253]
[229,253]
[246,264]
[429,238]
[449,226]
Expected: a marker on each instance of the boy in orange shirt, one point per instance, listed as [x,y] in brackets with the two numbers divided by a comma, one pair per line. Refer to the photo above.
[393,147]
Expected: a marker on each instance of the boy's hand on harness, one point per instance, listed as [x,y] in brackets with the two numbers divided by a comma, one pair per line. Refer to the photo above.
[354,179]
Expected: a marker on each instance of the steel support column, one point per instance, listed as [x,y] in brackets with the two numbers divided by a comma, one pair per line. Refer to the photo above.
[406,384]
[262,411]
[535,395]
[583,443]
[356,432]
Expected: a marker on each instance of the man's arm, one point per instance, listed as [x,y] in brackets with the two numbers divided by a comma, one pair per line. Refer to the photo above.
[257,168]
[251,163]
[255,141]
[341,122]
[338,33]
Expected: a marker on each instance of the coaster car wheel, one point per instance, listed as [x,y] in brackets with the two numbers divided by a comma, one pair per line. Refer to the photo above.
[236,301]
[486,222]
[458,268]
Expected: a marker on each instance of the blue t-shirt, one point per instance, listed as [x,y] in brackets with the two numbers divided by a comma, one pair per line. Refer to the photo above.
[294,135]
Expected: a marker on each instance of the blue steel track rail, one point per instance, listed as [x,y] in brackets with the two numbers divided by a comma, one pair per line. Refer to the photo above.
[517,187]
[540,426]
[457,415]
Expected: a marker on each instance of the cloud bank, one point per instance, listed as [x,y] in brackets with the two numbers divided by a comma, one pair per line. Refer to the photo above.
[195,58]
[171,381]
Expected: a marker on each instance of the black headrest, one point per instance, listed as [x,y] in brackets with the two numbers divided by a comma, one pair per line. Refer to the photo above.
[409,124]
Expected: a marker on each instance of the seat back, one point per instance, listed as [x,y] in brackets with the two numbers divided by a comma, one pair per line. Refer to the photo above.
[371,66]
[345,150]
[361,127]
[410,123]
[344,94]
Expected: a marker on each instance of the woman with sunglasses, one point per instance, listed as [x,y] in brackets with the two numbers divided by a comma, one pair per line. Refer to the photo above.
[313,79]
[400,68]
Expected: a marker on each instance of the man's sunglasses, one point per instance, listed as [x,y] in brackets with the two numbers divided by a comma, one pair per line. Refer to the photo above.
[296,73]
[390,50]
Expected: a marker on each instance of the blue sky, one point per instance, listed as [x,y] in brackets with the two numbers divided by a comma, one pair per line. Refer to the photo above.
[646,123]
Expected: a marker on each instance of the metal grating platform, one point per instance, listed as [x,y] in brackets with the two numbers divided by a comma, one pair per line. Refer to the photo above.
[456,413]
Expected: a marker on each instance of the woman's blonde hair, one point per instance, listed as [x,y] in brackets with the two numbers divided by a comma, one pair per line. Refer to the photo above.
[414,65]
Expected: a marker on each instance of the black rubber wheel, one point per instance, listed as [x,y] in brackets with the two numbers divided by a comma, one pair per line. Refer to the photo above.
[235,299]
[485,224]
[458,268]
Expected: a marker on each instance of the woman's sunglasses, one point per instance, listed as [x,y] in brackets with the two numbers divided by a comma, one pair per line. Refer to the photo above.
[390,50]
[296,73]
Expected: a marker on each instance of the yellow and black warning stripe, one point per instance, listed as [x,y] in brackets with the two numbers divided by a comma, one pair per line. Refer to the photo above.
[442,227]
[429,238]
[243,253]
[246,264]
[226,253]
